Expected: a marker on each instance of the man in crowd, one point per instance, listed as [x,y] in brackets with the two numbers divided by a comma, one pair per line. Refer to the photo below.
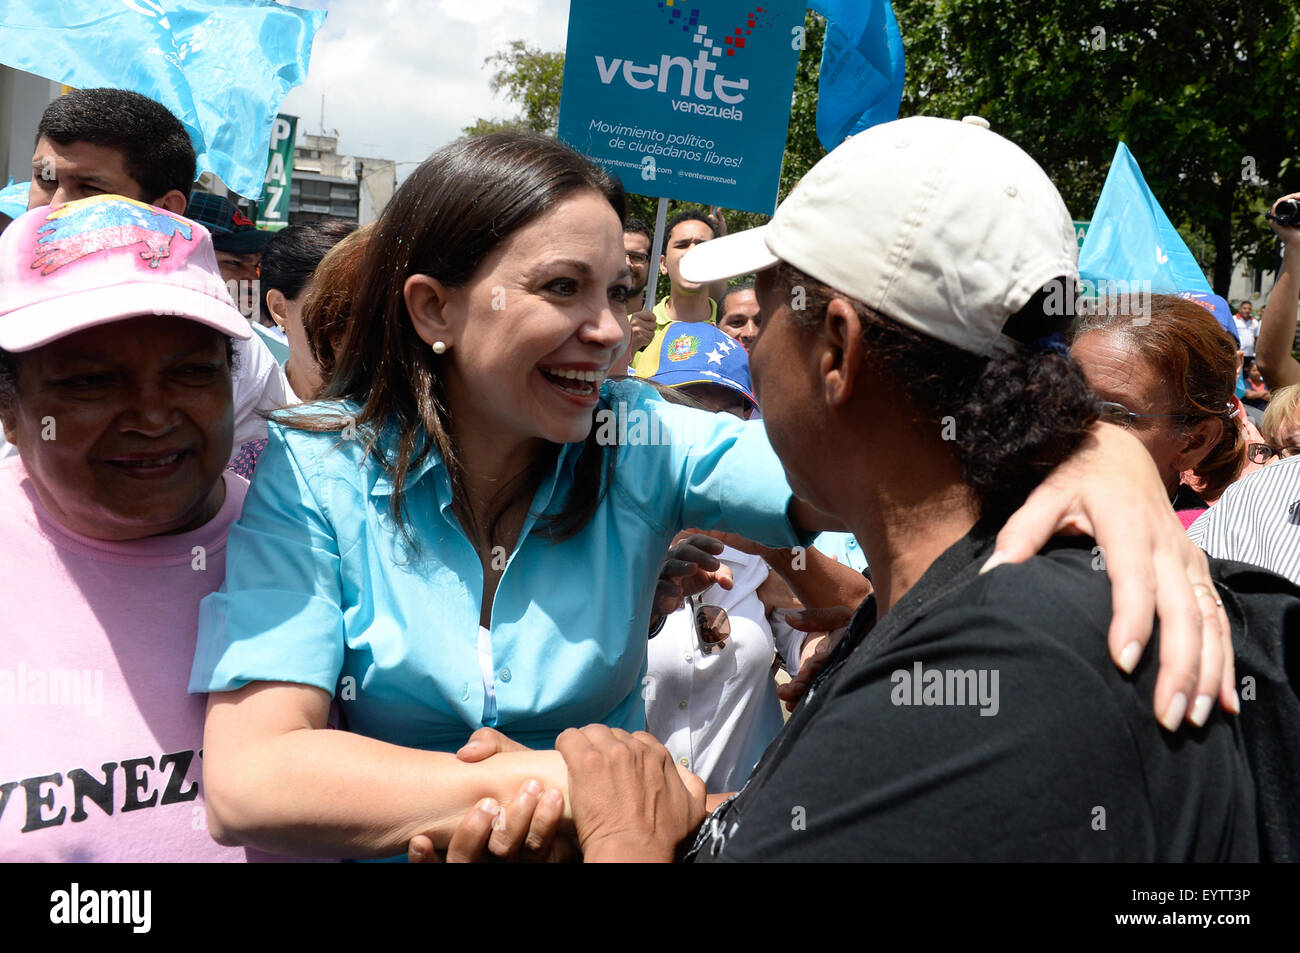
[738,314]
[686,301]
[637,242]
[111,141]
[1247,328]
[98,141]
[637,239]
[239,245]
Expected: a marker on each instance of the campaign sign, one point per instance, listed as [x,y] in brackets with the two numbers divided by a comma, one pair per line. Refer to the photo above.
[687,99]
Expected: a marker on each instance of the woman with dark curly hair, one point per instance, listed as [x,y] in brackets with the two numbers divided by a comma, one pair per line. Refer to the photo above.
[970,712]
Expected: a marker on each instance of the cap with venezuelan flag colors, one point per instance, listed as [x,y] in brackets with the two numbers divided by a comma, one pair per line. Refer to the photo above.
[696,353]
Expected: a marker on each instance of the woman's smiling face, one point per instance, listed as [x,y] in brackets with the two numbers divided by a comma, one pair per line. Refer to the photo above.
[535,331]
[124,429]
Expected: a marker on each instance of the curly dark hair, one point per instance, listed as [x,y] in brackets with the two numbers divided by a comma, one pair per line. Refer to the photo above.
[1014,415]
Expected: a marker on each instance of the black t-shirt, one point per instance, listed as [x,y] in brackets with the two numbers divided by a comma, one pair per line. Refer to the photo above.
[983,719]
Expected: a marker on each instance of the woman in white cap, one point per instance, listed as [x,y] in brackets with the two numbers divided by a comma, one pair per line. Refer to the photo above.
[971,712]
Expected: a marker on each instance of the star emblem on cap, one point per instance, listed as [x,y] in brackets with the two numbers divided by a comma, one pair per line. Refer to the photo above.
[715,357]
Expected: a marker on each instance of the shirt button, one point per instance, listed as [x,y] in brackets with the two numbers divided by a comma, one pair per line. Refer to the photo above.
[684,762]
[681,705]
[687,656]
[505,674]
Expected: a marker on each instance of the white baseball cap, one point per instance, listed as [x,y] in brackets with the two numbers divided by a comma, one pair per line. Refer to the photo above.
[941,225]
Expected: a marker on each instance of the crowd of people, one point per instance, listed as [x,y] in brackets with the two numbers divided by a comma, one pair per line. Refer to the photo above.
[427,540]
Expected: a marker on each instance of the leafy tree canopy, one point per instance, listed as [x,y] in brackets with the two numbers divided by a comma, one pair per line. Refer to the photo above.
[1201,90]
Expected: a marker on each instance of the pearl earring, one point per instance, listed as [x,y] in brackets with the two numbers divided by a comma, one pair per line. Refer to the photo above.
[439,347]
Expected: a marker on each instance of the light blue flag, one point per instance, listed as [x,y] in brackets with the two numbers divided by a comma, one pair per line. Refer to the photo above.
[862,68]
[13,198]
[221,66]
[1131,238]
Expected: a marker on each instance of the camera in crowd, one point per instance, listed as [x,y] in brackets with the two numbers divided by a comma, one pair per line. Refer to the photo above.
[1287,213]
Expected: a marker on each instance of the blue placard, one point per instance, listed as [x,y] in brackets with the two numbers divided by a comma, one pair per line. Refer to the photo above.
[688,99]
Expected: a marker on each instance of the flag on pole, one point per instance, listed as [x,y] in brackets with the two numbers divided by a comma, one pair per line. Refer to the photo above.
[862,68]
[1131,238]
[221,66]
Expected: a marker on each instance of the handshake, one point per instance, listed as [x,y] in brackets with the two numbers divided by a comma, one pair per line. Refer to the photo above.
[627,800]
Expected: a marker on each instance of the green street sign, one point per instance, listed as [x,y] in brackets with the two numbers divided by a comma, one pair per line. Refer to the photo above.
[273,210]
[1080,231]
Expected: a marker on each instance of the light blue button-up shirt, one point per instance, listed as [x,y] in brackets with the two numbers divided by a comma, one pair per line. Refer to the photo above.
[321,591]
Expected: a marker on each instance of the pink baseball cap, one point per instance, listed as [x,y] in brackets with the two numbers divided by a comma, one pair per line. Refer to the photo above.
[65,268]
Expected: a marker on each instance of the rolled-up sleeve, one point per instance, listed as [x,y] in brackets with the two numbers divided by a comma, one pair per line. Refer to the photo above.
[278,617]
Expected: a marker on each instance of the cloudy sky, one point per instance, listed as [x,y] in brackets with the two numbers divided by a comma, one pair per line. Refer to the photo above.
[402,77]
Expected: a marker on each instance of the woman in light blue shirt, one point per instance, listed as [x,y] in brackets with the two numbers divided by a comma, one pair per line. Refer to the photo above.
[451,543]
[469,532]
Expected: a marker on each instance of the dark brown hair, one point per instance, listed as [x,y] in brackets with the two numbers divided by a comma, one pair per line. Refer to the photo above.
[291,257]
[325,312]
[444,220]
[1196,361]
[1015,414]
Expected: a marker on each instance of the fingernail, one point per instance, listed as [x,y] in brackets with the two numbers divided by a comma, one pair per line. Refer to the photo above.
[1236,702]
[554,796]
[1201,710]
[489,806]
[994,561]
[1128,659]
[1174,713]
[533,787]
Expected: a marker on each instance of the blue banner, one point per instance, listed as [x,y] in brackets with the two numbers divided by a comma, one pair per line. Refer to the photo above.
[862,69]
[1132,240]
[221,66]
[688,99]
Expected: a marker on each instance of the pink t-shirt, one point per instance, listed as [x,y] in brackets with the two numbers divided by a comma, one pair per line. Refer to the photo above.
[100,742]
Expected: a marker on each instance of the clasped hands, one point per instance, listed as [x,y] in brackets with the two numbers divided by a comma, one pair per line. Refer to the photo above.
[633,803]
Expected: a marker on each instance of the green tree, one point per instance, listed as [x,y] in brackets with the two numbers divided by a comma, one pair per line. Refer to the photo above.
[1200,90]
[531,79]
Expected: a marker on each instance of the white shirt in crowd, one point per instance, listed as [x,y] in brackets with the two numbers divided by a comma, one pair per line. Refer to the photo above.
[1257,520]
[1246,331]
[259,384]
[716,711]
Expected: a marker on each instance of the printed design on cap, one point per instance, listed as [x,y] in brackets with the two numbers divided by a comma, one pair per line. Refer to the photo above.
[683,347]
[241,220]
[102,223]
